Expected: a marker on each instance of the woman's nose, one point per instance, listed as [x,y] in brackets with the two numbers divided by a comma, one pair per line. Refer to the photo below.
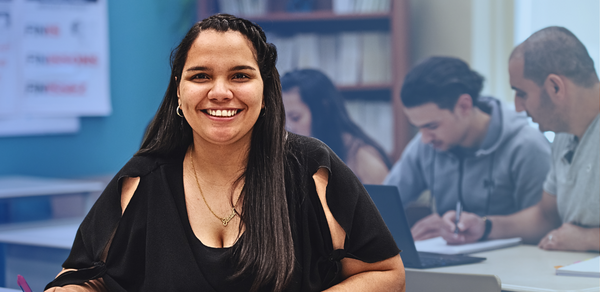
[220,91]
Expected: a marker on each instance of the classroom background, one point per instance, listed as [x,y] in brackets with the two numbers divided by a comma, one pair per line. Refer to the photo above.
[141,35]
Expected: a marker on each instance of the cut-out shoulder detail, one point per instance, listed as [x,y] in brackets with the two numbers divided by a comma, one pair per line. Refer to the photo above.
[338,235]
[128,188]
[96,285]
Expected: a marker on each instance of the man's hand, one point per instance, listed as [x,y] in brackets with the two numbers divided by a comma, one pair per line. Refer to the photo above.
[428,227]
[470,227]
[571,237]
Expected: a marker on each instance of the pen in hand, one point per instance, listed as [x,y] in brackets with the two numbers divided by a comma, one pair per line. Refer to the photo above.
[457,218]
[23,284]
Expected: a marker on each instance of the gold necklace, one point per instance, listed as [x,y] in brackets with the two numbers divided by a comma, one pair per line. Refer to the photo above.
[224,220]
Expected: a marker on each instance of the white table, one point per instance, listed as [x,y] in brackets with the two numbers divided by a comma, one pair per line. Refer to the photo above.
[26,186]
[523,268]
[70,198]
[49,240]
[53,233]
[29,186]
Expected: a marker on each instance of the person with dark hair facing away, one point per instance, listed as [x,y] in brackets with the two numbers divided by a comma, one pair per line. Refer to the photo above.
[220,197]
[556,83]
[315,108]
[470,150]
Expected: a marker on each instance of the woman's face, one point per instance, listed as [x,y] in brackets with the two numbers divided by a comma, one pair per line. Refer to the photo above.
[298,118]
[221,90]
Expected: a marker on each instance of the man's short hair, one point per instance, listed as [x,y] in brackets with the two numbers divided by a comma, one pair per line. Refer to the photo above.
[440,80]
[556,50]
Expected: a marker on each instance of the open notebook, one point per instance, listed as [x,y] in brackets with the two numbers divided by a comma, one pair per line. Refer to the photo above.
[387,200]
[587,268]
[439,245]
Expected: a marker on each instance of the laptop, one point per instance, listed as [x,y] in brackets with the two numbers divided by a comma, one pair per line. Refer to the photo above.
[388,202]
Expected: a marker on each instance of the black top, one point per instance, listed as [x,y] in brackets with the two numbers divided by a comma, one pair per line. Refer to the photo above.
[154,248]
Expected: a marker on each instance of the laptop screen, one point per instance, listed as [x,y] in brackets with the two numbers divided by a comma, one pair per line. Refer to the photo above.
[388,202]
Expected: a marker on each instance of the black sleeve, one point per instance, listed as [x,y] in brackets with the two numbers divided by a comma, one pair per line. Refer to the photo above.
[367,237]
[97,228]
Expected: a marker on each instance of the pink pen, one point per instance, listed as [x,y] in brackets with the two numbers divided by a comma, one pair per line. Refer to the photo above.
[23,284]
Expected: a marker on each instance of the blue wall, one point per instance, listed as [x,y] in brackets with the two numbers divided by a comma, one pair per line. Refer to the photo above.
[141,35]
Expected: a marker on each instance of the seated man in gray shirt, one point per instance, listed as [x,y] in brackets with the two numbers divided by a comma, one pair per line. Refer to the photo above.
[470,149]
[556,83]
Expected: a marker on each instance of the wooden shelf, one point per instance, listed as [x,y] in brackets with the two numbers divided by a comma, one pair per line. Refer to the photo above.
[379,92]
[316,16]
[366,87]
[322,22]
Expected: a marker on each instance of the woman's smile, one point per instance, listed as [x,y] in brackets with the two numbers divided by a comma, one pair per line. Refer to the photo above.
[224,113]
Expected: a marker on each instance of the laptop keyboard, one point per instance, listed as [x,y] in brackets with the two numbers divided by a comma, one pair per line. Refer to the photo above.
[430,260]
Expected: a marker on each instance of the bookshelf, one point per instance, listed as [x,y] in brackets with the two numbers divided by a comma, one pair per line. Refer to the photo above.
[388,26]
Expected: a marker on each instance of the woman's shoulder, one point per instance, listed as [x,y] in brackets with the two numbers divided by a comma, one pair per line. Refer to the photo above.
[143,164]
[309,148]
[304,142]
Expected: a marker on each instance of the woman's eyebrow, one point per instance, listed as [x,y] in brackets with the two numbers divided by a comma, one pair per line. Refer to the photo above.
[242,67]
[235,68]
[198,68]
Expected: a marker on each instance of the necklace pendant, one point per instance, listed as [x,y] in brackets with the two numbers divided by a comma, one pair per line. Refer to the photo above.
[225,221]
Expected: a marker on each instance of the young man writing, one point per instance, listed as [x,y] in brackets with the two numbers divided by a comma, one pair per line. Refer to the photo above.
[470,149]
[556,84]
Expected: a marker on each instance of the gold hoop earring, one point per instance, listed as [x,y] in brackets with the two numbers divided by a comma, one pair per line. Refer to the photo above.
[178,110]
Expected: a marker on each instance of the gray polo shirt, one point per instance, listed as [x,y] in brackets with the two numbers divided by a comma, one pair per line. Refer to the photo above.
[574,176]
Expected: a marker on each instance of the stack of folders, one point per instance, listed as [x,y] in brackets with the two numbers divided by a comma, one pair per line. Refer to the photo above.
[259,7]
[347,58]
[587,268]
[243,7]
[360,6]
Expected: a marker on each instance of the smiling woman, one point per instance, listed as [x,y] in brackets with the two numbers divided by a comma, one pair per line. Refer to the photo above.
[221,77]
[221,198]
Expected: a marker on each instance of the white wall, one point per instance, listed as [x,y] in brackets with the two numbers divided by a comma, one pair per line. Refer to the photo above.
[491,45]
[440,28]
[582,17]
[484,32]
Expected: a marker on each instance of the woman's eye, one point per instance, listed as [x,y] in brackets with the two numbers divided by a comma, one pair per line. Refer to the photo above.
[200,76]
[240,76]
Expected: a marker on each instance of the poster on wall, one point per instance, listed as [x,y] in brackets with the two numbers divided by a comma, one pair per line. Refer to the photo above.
[53,64]
[8,68]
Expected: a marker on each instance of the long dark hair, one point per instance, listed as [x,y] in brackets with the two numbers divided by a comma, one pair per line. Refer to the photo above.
[330,119]
[267,249]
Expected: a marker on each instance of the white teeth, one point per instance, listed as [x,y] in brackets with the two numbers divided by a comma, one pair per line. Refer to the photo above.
[222,113]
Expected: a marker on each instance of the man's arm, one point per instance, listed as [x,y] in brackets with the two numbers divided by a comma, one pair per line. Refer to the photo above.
[572,237]
[531,224]
[428,227]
